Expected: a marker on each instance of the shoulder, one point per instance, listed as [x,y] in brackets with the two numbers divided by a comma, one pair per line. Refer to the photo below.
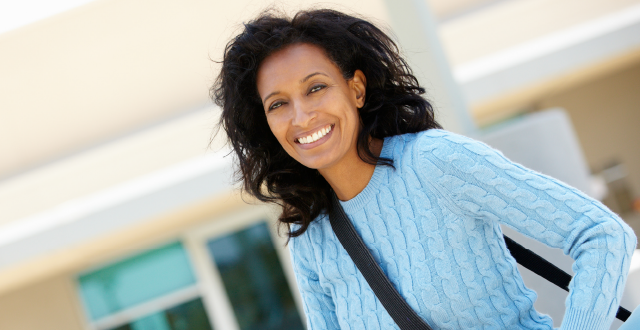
[433,139]
[304,247]
[444,147]
[312,234]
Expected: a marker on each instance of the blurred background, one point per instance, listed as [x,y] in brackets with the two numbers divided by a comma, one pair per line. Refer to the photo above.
[117,213]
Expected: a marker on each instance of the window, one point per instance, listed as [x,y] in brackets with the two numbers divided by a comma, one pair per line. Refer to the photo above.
[231,273]
[153,290]
[188,316]
[254,279]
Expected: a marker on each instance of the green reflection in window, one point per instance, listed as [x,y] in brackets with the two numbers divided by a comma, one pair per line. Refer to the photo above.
[254,280]
[136,280]
[188,316]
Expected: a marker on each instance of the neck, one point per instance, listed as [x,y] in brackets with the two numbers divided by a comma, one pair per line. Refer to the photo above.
[352,174]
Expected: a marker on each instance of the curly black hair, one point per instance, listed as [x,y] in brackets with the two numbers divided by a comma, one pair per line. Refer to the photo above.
[393,103]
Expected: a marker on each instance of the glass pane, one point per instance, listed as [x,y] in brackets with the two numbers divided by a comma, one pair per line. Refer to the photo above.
[135,280]
[157,321]
[188,316]
[254,280]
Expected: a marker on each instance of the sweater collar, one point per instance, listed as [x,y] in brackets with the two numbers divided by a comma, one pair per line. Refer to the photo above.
[371,190]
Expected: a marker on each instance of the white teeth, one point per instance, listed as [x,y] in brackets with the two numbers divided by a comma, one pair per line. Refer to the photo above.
[315,136]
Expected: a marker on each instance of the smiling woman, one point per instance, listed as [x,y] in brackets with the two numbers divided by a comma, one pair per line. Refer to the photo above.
[314,113]
[284,80]
[323,105]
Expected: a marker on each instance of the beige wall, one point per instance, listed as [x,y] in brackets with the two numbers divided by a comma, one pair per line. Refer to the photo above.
[52,304]
[109,68]
[45,296]
[606,115]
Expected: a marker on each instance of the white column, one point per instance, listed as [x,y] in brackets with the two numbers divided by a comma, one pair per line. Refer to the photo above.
[416,31]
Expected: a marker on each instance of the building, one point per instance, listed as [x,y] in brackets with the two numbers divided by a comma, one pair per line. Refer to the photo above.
[108,179]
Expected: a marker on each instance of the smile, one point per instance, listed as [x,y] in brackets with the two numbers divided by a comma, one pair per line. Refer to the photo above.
[315,136]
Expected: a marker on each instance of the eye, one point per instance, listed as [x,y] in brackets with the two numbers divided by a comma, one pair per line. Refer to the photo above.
[316,88]
[276,105]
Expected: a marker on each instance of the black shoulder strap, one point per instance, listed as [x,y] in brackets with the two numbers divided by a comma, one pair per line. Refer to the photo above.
[396,306]
[404,316]
[539,265]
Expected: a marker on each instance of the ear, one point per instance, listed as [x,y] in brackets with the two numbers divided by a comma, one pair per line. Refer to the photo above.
[359,86]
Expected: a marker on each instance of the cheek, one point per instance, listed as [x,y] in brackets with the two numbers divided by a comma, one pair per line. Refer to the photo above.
[353,117]
[278,128]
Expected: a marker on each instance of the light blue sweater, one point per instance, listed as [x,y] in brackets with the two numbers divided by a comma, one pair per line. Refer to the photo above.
[432,225]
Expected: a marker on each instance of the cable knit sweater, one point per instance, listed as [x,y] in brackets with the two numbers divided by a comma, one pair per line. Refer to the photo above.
[432,224]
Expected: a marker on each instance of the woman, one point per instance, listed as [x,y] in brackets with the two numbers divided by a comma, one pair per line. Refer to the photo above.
[323,104]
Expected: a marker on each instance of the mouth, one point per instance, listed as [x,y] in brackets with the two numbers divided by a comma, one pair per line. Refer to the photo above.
[314,137]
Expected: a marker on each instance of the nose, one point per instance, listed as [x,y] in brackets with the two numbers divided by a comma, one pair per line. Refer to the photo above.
[303,114]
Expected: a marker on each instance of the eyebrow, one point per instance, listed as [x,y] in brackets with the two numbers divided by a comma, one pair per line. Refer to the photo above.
[309,76]
[270,95]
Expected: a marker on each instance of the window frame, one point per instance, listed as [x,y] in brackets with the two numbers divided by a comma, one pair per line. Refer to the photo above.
[208,285]
[195,240]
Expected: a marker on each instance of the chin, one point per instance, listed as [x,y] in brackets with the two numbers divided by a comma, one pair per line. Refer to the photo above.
[320,162]
[315,164]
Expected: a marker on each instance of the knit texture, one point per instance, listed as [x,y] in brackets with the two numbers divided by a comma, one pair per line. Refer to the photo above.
[432,224]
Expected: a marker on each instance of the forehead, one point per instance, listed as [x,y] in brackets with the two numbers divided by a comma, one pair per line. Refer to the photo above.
[293,63]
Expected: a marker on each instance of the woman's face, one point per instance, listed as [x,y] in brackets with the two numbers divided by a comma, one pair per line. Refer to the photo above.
[311,109]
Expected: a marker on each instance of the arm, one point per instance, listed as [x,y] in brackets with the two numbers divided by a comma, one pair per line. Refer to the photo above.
[487,185]
[318,306]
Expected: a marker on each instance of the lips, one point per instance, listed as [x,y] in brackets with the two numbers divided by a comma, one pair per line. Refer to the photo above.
[323,134]
[315,136]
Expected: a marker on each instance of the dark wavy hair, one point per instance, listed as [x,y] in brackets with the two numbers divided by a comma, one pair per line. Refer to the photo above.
[393,103]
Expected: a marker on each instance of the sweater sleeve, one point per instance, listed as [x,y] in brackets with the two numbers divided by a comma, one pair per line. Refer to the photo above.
[486,185]
[318,306]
